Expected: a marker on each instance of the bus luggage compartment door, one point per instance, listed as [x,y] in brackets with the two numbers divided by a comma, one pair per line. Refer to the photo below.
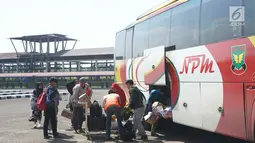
[155,66]
[187,111]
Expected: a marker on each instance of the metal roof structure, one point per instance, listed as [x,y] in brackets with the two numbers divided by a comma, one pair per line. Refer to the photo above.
[44,38]
[59,74]
[86,52]
[34,43]
[89,52]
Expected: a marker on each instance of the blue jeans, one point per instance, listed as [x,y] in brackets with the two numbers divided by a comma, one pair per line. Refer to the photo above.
[109,112]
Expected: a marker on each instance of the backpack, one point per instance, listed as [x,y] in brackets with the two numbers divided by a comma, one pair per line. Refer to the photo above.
[143,98]
[95,109]
[70,86]
[41,101]
[127,133]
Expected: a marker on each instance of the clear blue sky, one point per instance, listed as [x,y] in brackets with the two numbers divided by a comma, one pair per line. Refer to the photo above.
[93,22]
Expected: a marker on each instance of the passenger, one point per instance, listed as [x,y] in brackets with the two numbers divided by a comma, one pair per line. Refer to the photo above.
[51,112]
[70,87]
[155,95]
[112,105]
[56,99]
[78,111]
[36,114]
[136,103]
[121,93]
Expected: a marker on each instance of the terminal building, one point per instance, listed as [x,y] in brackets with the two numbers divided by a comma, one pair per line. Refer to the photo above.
[49,55]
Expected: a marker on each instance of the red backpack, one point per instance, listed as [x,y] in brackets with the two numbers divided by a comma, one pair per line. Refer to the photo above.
[41,101]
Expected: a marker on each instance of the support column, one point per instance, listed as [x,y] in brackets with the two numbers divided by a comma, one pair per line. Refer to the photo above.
[3,68]
[91,67]
[78,66]
[48,46]
[34,46]
[26,47]
[41,47]
[56,66]
[55,46]
[106,67]
[17,67]
[63,45]
[47,66]
[70,66]
[63,66]
[96,65]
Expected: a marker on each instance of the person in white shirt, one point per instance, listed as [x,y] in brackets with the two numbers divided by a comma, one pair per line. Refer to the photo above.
[78,111]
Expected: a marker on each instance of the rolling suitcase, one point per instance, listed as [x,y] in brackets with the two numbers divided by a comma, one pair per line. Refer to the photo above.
[96,123]
[127,133]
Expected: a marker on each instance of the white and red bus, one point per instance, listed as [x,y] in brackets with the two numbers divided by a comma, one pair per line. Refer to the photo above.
[203,51]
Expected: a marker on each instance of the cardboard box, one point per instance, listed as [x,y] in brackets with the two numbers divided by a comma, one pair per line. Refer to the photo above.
[166,113]
[158,107]
[151,118]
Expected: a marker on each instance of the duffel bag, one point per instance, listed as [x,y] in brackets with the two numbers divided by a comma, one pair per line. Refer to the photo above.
[67,114]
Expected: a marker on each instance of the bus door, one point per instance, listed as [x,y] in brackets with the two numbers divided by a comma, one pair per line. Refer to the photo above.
[155,66]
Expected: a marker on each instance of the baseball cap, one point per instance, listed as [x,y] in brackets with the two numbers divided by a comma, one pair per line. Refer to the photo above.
[82,79]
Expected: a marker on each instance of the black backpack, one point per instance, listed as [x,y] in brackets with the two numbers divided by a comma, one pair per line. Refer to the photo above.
[127,132]
[70,85]
[95,109]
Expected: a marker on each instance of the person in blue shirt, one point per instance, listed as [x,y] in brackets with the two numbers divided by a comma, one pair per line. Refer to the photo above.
[51,113]
[155,95]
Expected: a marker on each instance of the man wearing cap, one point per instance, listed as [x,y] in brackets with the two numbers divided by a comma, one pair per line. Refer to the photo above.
[51,113]
[78,112]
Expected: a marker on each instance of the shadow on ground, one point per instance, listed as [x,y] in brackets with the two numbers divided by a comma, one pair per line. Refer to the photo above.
[99,138]
[63,139]
[178,133]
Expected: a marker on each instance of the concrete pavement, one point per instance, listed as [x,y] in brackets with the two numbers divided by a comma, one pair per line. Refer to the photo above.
[15,128]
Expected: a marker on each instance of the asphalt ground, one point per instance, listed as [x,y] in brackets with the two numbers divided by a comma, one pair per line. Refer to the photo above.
[15,128]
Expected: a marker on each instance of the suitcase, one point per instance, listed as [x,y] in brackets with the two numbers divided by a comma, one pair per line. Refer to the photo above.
[67,114]
[96,123]
[127,132]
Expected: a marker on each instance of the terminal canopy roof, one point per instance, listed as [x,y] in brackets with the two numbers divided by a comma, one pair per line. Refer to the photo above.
[44,38]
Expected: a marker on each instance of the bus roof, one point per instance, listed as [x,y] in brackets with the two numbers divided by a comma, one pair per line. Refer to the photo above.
[159,9]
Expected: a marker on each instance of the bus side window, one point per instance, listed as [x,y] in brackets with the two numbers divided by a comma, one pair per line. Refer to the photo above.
[185,25]
[249,27]
[129,43]
[141,37]
[159,32]
[120,45]
[215,21]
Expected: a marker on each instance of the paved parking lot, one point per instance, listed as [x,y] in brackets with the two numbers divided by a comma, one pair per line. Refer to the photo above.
[15,128]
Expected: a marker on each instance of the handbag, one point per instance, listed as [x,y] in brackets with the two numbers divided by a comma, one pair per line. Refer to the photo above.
[67,114]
